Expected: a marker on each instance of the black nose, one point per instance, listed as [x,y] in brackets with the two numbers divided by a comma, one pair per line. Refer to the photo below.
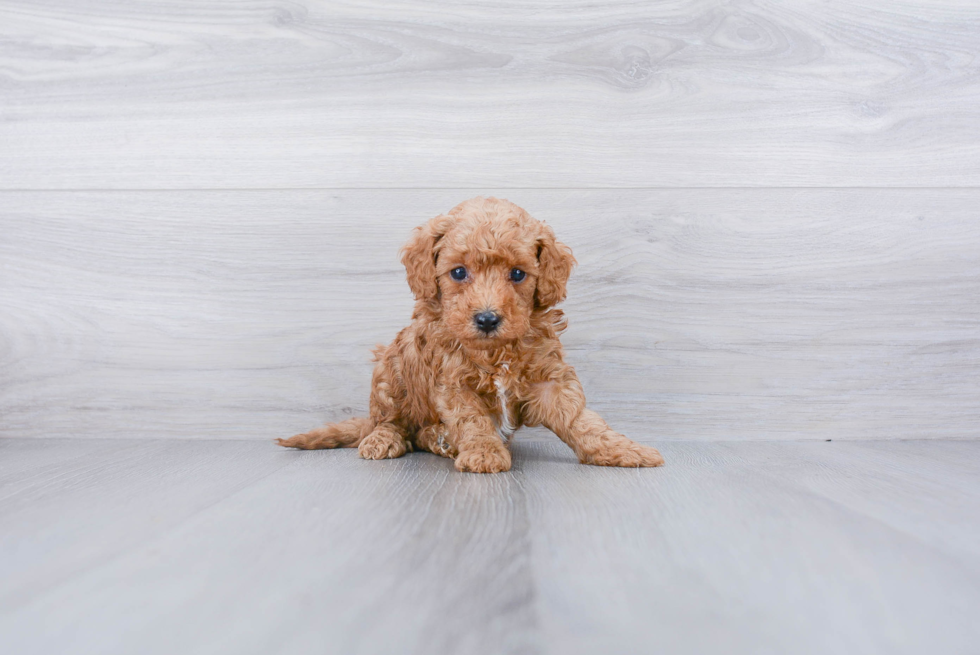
[487,322]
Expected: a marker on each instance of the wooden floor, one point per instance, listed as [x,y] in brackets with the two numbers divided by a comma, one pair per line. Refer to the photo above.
[170,546]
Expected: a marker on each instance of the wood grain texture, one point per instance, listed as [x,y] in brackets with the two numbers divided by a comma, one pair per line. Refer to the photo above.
[231,547]
[226,94]
[726,552]
[108,497]
[726,314]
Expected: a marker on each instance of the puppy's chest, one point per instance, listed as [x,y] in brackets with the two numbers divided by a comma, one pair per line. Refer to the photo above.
[501,393]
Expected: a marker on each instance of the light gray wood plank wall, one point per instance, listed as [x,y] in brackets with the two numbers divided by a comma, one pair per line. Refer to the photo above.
[696,313]
[544,93]
[709,314]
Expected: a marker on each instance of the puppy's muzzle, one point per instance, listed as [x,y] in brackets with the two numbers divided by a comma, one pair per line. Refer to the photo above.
[487,322]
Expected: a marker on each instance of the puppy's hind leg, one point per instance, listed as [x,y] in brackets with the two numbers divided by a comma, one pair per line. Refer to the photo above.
[434,438]
[388,438]
[386,441]
[346,434]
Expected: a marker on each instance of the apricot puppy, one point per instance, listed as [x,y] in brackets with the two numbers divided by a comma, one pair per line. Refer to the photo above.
[481,357]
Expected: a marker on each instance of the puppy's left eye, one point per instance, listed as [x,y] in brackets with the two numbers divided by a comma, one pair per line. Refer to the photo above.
[517,275]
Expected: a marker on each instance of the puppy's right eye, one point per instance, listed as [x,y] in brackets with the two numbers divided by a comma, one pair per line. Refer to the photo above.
[458,273]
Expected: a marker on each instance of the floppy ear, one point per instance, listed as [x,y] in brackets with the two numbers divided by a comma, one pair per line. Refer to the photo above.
[555,263]
[419,257]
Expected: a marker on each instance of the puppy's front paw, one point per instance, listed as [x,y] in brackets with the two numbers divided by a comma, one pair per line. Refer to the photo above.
[484,459]
[623,452]
[381,444]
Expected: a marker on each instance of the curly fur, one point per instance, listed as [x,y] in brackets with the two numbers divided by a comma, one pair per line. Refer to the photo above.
[445,386]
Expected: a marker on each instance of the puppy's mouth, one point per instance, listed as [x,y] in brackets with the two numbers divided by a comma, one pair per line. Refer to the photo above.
[488,337]
[485,340]
[489,329]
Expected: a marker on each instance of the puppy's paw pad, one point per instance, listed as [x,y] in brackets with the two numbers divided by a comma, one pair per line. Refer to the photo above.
[483,461]
[381,445]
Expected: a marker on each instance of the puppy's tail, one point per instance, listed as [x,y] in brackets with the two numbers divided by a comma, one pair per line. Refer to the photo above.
[346,434]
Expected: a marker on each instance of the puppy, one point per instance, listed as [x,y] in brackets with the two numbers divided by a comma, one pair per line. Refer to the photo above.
[481,357]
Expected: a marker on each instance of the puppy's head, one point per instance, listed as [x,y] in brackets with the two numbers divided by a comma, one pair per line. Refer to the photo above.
[485,267]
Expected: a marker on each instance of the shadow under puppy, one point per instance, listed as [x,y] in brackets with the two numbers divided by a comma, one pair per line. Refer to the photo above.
[481,357]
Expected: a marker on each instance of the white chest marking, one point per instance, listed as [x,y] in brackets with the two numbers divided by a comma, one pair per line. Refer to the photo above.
[505,429]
